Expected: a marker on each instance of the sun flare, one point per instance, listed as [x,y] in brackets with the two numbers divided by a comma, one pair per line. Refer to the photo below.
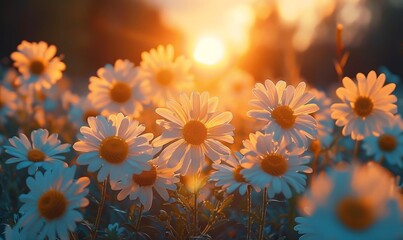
[209,50]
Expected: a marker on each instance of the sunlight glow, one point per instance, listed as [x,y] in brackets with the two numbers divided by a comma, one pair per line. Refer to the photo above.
[209,50]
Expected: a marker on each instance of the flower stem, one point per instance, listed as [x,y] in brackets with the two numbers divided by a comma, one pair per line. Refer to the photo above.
[263,216]
[315,163]
[139,217]
[355,153]
[100,208]
[195,212]
[248,209]
[73,235]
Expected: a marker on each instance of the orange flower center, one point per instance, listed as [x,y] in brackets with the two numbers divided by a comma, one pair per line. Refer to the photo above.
[120,92]
[355,213]
[237,174]
[194,132]
[52,205]
[165,77]
[35,155]
[363,106]
[36,67]
[113,149]
[89,113]
[284,116]
[387,143]
[274,164]
[146,178]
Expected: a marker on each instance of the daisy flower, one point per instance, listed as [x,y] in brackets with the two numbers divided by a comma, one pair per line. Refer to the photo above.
[68,99]
[276,166]
[234,86]
[11,80]
[37,64]
[388,145]
[366,107]
[12,233]
[114,146]
[360,202]
[166,75]
[42,151]
[81,111]
[48,99]
[140,186]
[228,174]
[8,104]
[118,89]
[322,116]
[50,209]
[193,129]
[286,111]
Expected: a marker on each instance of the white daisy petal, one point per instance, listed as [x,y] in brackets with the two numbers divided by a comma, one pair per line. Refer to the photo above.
[283,110]
[59,214]
[193,129]
[362,113]
[114,147]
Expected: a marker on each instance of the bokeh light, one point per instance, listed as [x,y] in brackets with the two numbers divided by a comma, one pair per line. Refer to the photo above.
[209,50]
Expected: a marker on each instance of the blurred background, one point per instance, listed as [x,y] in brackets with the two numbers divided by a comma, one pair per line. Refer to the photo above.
[276,39]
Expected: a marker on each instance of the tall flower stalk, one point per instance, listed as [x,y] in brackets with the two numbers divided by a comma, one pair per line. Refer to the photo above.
[195,209]
[263,216]
[100,209]
[248,209]
[139,217]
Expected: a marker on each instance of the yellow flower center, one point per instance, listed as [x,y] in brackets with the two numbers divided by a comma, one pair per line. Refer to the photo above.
[284,116]
[36,67]
[363,106]
[52,204]
[35,155]
[89,113]
[238,176]
[165,77]
[113,149]
[146,178]
[120,92]
[387,143]
[355,213]
[274,164]
[194,132]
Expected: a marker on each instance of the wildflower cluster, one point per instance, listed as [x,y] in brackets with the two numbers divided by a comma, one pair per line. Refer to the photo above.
[148,153]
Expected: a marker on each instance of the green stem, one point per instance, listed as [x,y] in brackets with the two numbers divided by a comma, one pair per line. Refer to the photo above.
[248,209]
[355,153]
[263,216]
[212,218]
[73,235]
[99,212]
[195,212]
[315,163]
[139,217]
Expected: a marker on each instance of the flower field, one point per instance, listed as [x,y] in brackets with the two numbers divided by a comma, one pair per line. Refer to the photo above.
[184,144]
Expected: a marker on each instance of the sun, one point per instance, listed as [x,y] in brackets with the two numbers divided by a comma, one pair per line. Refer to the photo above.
[209,50]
